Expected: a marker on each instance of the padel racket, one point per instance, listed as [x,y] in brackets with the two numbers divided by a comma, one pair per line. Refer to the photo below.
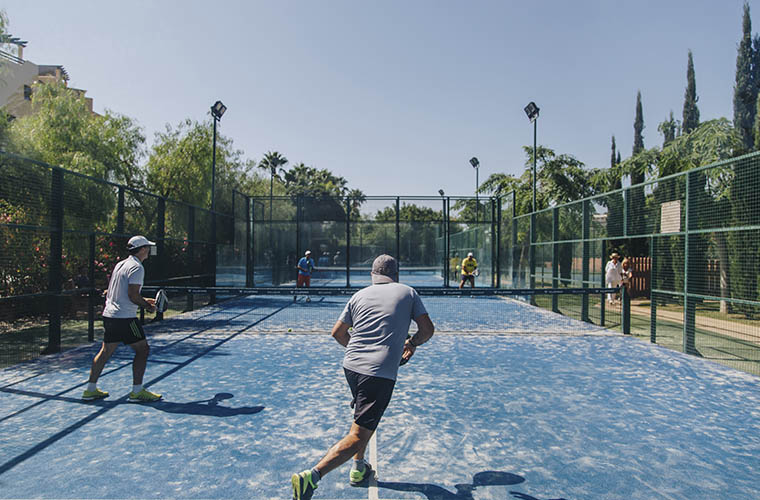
[162,301]
[476,273]
[405,361]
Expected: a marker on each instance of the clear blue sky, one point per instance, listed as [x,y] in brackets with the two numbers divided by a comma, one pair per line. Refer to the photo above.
[396,96]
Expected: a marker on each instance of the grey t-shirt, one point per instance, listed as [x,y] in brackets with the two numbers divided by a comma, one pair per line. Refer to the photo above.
[380,315]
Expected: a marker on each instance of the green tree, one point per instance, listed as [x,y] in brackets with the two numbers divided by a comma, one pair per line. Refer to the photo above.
[179,166]
[690,109]
[669,129]
[62,131]
[745,86]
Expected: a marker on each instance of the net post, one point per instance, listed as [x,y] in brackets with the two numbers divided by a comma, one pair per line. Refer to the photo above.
[555,257]
[448,240]
[91,294]
[55,262]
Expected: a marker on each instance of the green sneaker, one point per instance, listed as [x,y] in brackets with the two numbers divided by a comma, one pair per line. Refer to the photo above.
[144,396]
[93,395]
[303,486]
[357,477]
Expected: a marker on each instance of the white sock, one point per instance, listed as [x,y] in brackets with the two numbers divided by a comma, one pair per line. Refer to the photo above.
[137,388]
[91,386]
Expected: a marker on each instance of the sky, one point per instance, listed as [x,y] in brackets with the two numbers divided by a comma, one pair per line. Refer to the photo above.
[396,96]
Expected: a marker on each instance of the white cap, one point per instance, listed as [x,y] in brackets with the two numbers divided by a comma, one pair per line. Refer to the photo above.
[469,254]
[139,241]
[308,252]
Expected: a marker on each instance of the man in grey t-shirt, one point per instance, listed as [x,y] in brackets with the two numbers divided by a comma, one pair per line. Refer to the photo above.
[380,316]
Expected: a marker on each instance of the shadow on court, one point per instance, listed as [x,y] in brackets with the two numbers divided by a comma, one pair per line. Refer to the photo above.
[463,491]
[206,407]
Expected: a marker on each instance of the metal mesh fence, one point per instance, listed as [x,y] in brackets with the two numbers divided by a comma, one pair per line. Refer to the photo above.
[695,241]
[61,233]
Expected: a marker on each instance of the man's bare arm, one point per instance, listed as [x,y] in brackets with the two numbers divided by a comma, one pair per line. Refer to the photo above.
[425,330]
[134,295]
[340,333]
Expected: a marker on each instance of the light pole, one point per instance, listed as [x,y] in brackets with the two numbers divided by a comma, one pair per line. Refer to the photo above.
[532,111]
[217,110]
[475,164]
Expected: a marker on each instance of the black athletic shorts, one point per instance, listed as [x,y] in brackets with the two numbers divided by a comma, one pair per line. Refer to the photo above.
[127,330]
[371,396]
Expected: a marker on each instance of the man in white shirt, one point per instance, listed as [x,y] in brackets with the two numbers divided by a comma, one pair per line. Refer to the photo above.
[613,275]
[120,322]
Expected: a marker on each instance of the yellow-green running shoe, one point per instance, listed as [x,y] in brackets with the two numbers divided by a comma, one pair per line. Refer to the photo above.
[357,477]
[144,396]
[303,486]
[93,395]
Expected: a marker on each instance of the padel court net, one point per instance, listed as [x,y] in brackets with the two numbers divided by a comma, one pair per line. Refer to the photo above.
[475,311]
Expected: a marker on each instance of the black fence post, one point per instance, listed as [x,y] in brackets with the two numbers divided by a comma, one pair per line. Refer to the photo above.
[625,310]
[91,294]
[348,242]
[55,280]
[398,231]
[120,212]
[160,243]
[248,243]
[652,296]
[515,248]
[191,252]
[555,257]
[498,243]
[603,299]
[586,256]
[689,302]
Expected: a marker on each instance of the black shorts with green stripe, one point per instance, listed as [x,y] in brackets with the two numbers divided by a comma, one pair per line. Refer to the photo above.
[127,330]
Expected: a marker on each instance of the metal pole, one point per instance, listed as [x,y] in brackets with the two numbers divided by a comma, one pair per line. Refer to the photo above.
[477,203]
[213,172]
[535,122]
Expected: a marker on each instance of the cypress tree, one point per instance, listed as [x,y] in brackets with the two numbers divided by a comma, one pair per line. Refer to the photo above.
[612,157]
[638,137]
[668,129]
[617,162]
[757,124]
[745,87]
[690,109]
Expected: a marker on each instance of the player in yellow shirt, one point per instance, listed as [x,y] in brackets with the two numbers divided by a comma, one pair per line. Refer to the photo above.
[469,268]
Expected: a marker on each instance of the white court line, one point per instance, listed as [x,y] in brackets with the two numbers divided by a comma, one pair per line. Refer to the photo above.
[372,490]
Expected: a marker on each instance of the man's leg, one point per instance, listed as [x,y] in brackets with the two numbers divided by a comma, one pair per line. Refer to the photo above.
[100,359]
[142,349]
[353,445]
[98,363]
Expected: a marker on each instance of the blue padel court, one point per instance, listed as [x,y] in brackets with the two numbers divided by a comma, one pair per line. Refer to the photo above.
[493,407]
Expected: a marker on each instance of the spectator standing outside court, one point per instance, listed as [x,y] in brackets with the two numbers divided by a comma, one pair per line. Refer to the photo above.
[120,322]
[380,315]
[469,266]
[626,273]
[613,275]
[305,268]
